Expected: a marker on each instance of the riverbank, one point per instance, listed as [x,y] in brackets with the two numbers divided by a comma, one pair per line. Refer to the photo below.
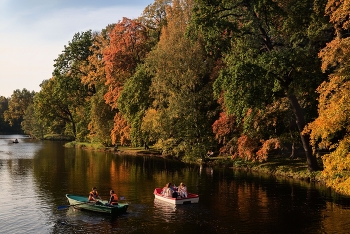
[276,165]
[116,150]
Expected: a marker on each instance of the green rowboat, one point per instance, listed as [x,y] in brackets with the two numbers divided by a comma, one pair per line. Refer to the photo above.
[81,202]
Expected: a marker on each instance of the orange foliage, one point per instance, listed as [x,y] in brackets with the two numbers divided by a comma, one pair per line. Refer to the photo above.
[334,112]
[128,46]
[246,148]
[268,145]
[339,12]
[120,131]
[223,127]
[336,52]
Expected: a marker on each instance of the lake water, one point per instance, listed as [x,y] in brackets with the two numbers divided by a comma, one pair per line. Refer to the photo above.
[36,175]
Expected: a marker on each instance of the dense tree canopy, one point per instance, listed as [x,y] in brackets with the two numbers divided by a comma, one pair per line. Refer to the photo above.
[330,130]
[240,77]
[5,126]
[17,105]
[268,53]
[181,88]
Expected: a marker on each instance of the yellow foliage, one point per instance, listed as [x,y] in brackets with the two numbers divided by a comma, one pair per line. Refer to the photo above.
[337,167]
[334,112]
[336,52]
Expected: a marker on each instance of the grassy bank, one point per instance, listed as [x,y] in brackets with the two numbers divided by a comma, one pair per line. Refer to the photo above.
[279,166]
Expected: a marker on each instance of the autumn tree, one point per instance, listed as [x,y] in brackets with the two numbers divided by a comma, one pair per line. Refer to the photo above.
[154,18]
[180,118]
[270,52]
[135,99]
[330,130]
[127,48]
[101,114]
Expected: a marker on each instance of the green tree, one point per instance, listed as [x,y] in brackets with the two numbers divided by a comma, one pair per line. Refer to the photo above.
[180,118]
[31,123]
[134,100]
[53,109]
[72,94]
[270,52]
[4,125]
[17,105]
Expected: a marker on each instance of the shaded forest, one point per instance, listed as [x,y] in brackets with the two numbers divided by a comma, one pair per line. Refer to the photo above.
[242,78]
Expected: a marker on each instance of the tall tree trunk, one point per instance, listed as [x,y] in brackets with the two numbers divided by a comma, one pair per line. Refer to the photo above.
[305,138]
[74,128]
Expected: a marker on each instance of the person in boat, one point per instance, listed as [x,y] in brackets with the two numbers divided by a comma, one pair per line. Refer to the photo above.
[113,200]
[93,195]
[182,190]
[173,188]
[167,191]
[15,141]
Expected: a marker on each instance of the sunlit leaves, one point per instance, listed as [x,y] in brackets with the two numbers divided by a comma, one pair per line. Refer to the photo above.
[127,48]
[181,88]
[334,111]
[339,11]
[336,54]
[121,130]
[330,130]
[337,166]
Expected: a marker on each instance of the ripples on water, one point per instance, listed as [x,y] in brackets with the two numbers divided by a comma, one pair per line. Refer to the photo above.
[21,209]
[35,176]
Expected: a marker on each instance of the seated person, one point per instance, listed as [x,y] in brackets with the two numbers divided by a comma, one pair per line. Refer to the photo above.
[113,200]
[182,189]
[93,195]
[167,191]
[174,193]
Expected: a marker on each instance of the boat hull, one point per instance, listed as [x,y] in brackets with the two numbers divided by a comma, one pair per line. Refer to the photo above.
[191,198]
[81,202]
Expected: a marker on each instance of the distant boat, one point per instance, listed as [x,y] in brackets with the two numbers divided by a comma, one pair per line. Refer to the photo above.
[15,141]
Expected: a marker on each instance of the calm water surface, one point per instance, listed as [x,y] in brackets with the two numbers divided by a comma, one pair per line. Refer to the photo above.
[36,175]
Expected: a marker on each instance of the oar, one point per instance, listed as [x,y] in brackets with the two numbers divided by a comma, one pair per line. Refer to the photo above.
[67,206]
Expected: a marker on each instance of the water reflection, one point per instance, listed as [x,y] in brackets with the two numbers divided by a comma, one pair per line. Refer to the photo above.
[164,211]
[80,221]
[35,177]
